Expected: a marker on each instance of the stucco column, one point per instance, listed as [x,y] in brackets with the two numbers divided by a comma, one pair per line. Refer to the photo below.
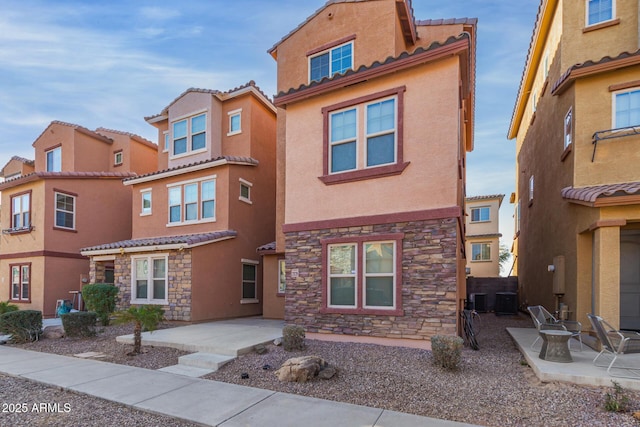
[606,246]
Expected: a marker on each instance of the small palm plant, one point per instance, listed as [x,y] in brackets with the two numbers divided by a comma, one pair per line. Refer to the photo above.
[7,307]
[144,316]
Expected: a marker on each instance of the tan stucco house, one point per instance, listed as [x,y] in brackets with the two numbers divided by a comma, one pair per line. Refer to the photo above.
[375,116]
[199,216]
[70,197]
[576,124]
[482,229]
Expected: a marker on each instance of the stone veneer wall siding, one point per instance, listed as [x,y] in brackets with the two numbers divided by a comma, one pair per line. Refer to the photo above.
[429,282]
[179,278]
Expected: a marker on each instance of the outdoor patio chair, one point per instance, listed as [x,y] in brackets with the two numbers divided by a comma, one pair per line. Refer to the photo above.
[543,320]
[616,343]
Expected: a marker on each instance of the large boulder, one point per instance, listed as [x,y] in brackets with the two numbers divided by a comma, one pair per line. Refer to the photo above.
[302,369]
[53,332]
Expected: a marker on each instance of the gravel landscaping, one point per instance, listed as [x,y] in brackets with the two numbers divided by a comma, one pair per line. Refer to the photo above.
[492,387]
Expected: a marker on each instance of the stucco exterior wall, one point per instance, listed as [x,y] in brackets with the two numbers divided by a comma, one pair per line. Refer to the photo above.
[273,302]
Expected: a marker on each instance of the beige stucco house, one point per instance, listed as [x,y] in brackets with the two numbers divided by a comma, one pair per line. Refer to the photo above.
[70,197]
[199,216]
[375,117]
[576,125]
[482,225]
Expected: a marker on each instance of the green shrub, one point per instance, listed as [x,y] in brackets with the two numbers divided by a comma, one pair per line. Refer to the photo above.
[616,401]
[447,351]
[101,298]
[7,307]
[293,338]
[22,325]
[79,324]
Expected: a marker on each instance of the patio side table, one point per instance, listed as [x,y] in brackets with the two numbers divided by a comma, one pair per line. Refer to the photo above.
[555,346]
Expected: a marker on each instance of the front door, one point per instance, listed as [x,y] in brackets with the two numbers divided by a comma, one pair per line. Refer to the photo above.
[630,279]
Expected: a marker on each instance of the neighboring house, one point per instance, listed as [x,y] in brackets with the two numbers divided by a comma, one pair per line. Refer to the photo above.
[375,118]
[577,128]
[71,196]
[483,236]
[199,216]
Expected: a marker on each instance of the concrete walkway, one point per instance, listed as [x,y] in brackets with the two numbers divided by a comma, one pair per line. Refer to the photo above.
[580,371]
[207,402]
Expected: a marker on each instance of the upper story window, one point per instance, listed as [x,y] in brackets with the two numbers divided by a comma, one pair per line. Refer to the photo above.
[480,214]
[146,202]
[245,191]
[192,202]
[363,137]
[117,158]
[235,122]
[331,61]
[568,128]
[54,160]
[627,108]
[20,211]
[190,134]
[516,216]
[531,185]
[545,66]
[167,140]
[65,211]
[481,251]
[600,11]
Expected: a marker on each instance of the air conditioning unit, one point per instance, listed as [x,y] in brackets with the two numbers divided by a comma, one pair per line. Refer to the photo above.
[479,302]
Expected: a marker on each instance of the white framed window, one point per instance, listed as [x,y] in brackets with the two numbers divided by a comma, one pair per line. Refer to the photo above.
[517,217]
[20,282]
[145,201]
[149,280]
[332,61]
[568,128]
[21,211]
[245,191]
[481,251]
[379,275]
[531,187]
[534,101]
[626,108]
[343,271]
[192,201]
[54,159]
[481,214]
[117,158]
[167,139]
[190,135]
[249,281]
[235,122]
[282,276]
[65,211]
[600,11]
[545,66]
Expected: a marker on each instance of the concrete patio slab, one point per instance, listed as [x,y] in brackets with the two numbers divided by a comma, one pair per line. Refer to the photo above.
[205,360]
[187,371]
[206,402]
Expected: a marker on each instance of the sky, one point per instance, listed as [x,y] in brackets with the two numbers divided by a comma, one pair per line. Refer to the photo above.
[110,64]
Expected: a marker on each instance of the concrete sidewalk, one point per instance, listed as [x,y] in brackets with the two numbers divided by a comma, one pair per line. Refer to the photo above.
[202,401]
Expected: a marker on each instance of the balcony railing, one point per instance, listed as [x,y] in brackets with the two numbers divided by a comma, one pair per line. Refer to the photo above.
[603,135]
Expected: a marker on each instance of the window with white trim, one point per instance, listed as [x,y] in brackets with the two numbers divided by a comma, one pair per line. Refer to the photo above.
[190,135]
[331,61]
[145,202]
[21,211]
[65,210]
[481,251]
[192,201]
[600,11]
[481,214]
[235,122]
[20,282]
[568,128]
[117,158]
[517,217]
[545,66]
[167,139]
[282,276]
[249,281]
[531,185]
[245,191]
[149,281]
[54,160]
[626,108]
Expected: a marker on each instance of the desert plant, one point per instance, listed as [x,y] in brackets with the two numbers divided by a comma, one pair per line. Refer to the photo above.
[22,325]
[446,350]
[101,298]
[616,401]
[7,307]
[293,338]
[79,324]
[144,316]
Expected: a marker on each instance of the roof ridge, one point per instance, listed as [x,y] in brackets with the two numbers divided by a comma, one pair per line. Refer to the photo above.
[129,134]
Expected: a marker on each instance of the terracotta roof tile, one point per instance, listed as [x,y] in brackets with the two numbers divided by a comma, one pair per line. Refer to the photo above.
[23,160]
[269,247]
[78,128]
[187,240]
[450,21]
[492,196]
[129,134]
[590,194]
[33,176]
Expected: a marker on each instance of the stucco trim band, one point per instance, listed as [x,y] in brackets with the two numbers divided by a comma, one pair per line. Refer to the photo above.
[608,223]
[32,254]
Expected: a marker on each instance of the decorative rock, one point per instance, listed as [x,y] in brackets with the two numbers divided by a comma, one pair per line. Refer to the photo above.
[301,369]
[327,372]
[260,349]
[277,341]
[53,332]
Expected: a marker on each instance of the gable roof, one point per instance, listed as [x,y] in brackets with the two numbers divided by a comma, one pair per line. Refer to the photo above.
[77,128]
[133,136]
[403,7]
